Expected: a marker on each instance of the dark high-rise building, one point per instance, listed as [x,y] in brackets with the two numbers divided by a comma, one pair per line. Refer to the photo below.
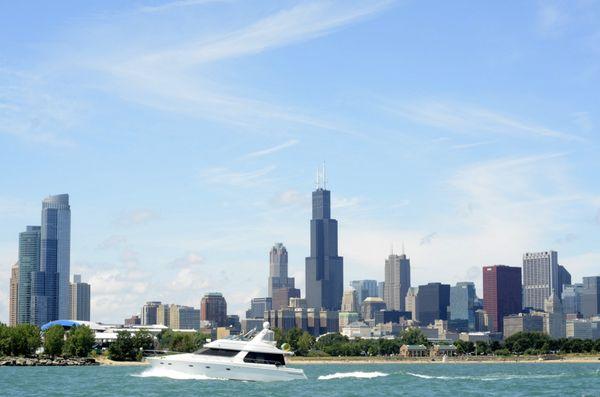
[281,287]
[571,298]
[462,303]
[502,294]
[564,278]
[55,256]
[258,306]
[281,297]
[150,313]
[432,303]
[540,278]
[29,262]
[324,268]
[590,297]
[397,281]
[213,308]
[80,299]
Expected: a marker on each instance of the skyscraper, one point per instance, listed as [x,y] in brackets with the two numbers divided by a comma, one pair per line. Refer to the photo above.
[324,268]
[80,299]
[350,301]
[462,303]
[571,298]
[564,278]
[554,320]
[366,288]
[213,308]
[540,278]
[281,287]
[397,281]
[411,302]
[432,302]
[150,313]
[55,255]
[29,262]
[13,297]
[501,294]
[590,296]
[258,306]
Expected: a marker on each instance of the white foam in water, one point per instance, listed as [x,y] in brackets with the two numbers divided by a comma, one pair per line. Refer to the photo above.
[166,373]
[359,374]
[484,378]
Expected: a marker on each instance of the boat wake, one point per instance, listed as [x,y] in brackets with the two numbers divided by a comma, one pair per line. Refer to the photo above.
[486,378]
[359,375]
[165,373]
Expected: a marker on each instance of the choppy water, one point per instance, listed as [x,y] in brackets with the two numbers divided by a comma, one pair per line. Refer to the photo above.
[456,380]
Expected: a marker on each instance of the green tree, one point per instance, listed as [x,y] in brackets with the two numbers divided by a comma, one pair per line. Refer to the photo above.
[4,340]
[523,341]
[54,340]
[22,340]
[463,347]
[80,341]
[305,343]
[291,337]
[413,336]
[122,349]
[143,340]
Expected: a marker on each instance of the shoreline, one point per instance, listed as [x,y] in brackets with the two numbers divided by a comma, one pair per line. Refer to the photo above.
[450,360]
[105,361]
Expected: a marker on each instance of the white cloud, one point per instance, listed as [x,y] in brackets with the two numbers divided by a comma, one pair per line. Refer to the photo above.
[300,23]
[465,118]
[291,197]
[470,145]
[272,149]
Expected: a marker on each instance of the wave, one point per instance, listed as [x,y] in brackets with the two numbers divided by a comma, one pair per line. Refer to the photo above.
[166,373]
[487,377]
[358,374]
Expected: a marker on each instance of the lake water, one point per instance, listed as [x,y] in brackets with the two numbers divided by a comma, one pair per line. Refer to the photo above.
[456,380]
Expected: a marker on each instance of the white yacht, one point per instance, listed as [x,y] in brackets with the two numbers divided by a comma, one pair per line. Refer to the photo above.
[256,359]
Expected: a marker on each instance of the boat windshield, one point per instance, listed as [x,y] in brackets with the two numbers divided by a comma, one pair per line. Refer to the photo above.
[209,351]
[265,358]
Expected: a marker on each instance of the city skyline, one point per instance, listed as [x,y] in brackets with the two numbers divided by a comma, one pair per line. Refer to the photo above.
[469,164]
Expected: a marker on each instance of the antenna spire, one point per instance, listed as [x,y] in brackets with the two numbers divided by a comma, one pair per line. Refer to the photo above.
[403,249]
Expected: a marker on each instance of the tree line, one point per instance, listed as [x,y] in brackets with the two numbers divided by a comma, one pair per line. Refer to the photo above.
[128,347]
[26,339]
[335,344]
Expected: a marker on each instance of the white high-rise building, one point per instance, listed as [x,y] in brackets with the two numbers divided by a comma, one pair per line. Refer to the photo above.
[540,278]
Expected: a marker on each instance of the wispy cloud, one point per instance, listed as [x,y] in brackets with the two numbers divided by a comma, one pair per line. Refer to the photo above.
[171,78]
[173,5]
[226,176]
[470,145]
[467,118]
[272,149]
[300,23]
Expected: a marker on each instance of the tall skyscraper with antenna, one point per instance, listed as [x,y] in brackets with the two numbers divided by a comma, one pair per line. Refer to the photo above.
[324,268]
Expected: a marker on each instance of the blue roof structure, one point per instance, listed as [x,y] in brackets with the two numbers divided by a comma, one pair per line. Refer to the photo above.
[63,323]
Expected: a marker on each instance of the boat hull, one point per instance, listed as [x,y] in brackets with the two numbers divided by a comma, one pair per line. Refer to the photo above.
[229,370]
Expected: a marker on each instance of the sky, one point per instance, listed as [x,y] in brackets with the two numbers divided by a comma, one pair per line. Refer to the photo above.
[188,134]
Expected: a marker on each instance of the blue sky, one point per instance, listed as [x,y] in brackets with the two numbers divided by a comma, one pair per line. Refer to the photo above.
[188,133]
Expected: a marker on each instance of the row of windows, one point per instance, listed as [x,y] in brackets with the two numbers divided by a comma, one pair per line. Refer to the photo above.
[251,357]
